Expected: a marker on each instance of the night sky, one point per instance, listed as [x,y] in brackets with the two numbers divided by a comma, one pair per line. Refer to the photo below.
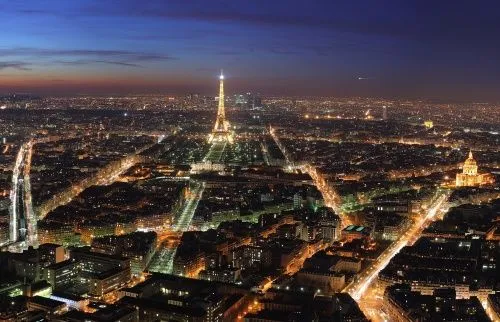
[416,49]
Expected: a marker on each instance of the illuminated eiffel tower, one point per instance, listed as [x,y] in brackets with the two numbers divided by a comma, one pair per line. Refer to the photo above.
[221,131]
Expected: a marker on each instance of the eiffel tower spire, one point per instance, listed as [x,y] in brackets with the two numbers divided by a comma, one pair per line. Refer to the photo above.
[221,129]
[220,123]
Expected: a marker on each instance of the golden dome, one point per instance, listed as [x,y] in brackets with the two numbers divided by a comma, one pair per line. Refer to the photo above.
[470,160]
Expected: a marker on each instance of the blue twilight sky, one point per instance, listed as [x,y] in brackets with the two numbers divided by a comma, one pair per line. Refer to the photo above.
[429,49]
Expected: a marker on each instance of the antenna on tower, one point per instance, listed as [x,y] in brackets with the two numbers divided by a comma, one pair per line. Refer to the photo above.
[221,74]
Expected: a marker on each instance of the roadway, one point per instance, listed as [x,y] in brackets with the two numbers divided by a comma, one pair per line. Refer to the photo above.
[182,220]
[14,205]
[298,261]
[364,283]
[32,230]
[21,205]
[276,139]
[106,176]
[330,196]
[163,260]
[164,257]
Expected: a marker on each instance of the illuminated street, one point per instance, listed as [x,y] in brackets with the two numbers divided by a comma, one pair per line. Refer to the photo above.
[365,282]
[32,219]
[163,260]
[164,257]
[331,197]
[105,176]
[23,222]
[14,194]
[182,220]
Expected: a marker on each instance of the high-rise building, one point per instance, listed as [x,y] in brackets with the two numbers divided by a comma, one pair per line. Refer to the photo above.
[384,112]
[51,253]
[61,274]
[248,100]
[297,201]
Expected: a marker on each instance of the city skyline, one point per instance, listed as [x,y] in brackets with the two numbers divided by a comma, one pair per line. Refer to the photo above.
[249,161]
[394,50]
[145,208]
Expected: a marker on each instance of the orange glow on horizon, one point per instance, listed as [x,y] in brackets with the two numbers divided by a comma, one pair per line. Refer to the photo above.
[72,82]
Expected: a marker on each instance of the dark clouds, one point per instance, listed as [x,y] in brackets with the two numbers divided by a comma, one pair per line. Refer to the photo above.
[14,65]
[122,54]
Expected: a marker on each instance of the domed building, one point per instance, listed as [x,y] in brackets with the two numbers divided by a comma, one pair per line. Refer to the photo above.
[470,177]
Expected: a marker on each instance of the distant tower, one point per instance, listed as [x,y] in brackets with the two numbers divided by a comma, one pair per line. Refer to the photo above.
[220,123]
[384,112]
[221,129]
[368,115]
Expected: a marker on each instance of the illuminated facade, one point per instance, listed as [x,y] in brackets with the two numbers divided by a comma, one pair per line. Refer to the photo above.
[470,177]
[221,131]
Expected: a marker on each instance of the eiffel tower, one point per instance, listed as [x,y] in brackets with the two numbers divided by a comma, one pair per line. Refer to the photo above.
[221,131]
